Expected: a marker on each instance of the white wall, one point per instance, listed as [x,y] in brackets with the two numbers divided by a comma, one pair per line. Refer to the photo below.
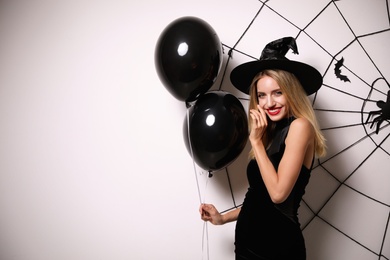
[92,159]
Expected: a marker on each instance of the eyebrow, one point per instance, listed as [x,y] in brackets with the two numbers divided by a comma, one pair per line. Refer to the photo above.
[262,92]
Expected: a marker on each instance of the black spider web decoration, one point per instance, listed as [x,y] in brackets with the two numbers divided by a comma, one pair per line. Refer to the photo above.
[372,118]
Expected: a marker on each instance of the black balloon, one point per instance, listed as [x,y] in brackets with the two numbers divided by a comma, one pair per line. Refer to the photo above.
[188,58]
[215,130]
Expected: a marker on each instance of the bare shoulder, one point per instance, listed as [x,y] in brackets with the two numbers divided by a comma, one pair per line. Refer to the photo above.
[302,127]
[301,123]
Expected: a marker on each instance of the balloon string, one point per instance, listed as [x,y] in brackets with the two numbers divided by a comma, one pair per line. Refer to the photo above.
[205,233]
[192,154]
[205,237]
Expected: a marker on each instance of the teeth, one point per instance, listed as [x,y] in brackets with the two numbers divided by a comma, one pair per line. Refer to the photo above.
[274,111]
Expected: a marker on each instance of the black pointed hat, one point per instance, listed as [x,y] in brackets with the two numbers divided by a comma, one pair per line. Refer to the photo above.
[273,57]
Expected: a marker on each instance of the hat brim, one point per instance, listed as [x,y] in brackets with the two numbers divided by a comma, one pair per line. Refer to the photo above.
[309,77]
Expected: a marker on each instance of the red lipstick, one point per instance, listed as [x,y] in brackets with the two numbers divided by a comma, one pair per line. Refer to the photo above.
[274,112]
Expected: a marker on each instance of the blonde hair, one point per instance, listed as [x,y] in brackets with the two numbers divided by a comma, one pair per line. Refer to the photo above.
[299,106]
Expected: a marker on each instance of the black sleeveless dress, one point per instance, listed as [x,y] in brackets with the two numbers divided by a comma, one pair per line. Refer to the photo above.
[265,230]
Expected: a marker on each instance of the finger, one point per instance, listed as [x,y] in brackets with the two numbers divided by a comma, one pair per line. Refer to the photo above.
[262,114]
[259,119]
[208,208]
[254,121]
[261,110]
[255,113]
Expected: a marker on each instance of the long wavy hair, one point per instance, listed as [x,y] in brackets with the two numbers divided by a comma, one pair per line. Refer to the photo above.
[298,105]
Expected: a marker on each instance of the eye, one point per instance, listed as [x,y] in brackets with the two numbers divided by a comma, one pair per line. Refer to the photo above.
[278,93]
[260,95]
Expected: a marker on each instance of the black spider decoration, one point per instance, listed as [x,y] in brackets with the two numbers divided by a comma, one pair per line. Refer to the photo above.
[384,113]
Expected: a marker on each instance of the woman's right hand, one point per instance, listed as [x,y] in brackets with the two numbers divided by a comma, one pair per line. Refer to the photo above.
[209,213]
[259,124]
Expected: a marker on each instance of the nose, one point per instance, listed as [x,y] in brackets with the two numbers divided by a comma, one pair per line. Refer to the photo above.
[270,101]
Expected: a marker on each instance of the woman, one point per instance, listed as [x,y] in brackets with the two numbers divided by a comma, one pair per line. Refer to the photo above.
[285,139]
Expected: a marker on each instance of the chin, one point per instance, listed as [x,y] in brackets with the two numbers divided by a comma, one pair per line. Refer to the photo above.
[276,118]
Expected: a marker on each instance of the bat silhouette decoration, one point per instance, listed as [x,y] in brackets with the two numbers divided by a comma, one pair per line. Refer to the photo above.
[337,70]
[383,113]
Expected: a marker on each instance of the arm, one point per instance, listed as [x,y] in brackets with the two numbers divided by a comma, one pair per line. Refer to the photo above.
[280,182]
[209,213]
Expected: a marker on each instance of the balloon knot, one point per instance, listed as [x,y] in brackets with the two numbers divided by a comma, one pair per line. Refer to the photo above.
[230,53]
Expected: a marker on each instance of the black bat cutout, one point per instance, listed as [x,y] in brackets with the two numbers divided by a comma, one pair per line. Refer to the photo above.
[337,71]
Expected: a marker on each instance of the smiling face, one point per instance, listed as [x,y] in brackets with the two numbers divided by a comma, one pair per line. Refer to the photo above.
[270,98]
